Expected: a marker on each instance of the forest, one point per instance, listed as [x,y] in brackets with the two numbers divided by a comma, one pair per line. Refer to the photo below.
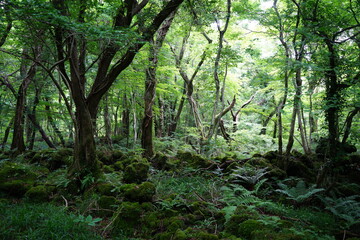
[180,119]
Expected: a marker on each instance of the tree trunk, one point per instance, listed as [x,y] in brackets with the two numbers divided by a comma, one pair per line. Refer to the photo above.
[150,87]
[52,122]
[18,142]
[107,121]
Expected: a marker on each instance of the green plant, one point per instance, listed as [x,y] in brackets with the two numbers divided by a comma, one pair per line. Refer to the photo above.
[248,175]
[41,221]
[300,193]
[89,220]
[347,208]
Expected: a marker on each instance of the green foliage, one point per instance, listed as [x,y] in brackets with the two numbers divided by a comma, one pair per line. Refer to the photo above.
[43,221]
[347,209]
[299,193]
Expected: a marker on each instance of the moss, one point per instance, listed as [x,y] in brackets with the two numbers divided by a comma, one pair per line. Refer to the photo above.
[108,169]
[247,227]
[118,155]
[265,233]
[194,160]
[179,235]
[16,188]
[127,218]
[105,157]
[38,194]
[201,235]
[172,224]
[13,170]
[136,172]
[106,189]
[163,236]
[107,205]
[232,226]
[159,161]
[108,202]
[138,193]
[53,159]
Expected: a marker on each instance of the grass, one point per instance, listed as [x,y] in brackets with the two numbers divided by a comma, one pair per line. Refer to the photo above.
[41,221]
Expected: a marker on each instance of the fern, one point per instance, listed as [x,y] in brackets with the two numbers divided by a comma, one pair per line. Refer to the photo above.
[347,208]
[300,193]
[248,174]
[237,194]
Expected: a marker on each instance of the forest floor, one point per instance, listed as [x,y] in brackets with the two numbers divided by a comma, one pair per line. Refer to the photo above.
[180,197]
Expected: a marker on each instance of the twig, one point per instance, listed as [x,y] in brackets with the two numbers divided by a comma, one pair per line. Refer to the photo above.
[66,202]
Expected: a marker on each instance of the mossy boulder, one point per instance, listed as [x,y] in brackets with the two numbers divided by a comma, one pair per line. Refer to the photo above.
[136,172]
[106,189]
[241,214]
[39,193]
[105,156]
[127,218]
[53,159]
[159,161]
[247,227]
[138,193]
[17,178]
[194,160]
[16,188]
[107,205]
[265,233]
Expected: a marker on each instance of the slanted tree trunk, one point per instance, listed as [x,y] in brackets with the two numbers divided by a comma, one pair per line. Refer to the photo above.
[150,87]
[18,142]
[52,122]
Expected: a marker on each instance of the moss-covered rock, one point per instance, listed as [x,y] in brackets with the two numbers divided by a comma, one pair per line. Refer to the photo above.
[241,214]
[270,234]
[194,160]
[247,227]
[107,205]
[16,188]
[17,178]
[127,218]
[53,159]
[136,172]
[159,161]
[106,189]
[138,193]
[39,193]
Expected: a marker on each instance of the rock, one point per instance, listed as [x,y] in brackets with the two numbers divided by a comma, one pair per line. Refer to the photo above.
[194,160]
[138,193]
[39,193]
[107,205]
[136,172]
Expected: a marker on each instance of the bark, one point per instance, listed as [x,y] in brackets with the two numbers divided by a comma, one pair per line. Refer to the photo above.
[150,88]
[41,130]
[348,123]
[6,134]
[235,116]
[52,122]
[33,112]
[286,80]
[267,120]
[332,98]
[174,123]
[107,122]
[18,142]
